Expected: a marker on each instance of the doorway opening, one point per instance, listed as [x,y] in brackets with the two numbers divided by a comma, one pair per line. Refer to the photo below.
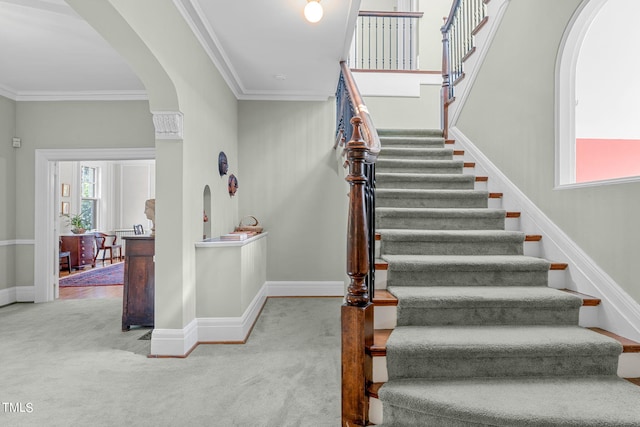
[48,206]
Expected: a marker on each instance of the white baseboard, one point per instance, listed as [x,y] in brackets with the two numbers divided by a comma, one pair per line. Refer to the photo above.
[25,293]
[232,329]
[174,342]
[305,289]
[7,296]
[178,342]
[618,312]
[17,294]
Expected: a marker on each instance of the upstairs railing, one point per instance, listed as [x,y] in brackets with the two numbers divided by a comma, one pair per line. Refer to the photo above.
[385,41]
[464,20]
[355,125]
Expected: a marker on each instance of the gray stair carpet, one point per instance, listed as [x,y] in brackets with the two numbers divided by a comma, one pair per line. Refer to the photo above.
[481,340]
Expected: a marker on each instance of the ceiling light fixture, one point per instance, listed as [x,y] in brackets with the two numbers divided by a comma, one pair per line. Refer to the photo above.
[313,11]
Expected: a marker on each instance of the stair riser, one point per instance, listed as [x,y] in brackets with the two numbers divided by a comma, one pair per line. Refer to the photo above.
[505,365]
[534,315]
[428,277]
[451,248]
[439,223]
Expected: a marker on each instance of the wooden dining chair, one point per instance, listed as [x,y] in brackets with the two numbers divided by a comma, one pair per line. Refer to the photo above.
[107,242]
[64,257]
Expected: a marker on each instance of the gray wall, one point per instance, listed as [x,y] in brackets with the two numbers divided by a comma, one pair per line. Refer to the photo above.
[7,193]
[72,124]
[288,179]
[510,117]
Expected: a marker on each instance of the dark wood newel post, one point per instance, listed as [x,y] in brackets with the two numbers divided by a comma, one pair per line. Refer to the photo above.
[357,312]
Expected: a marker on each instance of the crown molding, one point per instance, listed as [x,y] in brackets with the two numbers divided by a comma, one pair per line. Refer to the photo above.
[124,95]
[192,14]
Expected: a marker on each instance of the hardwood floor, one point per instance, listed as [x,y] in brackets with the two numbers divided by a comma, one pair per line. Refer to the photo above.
[84,292]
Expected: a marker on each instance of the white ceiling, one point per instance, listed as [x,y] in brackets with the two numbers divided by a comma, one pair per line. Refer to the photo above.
[263,48]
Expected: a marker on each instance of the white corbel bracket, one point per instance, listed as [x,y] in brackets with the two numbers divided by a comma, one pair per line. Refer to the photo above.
[168,124]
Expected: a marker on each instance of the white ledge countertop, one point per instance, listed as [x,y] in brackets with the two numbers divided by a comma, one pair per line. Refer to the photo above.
[215,242]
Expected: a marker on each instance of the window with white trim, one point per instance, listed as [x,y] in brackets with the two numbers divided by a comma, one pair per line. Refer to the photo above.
[90,196]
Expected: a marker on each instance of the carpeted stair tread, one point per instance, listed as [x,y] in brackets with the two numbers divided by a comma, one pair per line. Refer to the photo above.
[488,296]
[435,133]
[457,263]
[466,270]
[452,235]
[425,181]
[440,218]
[452,242]
[504,340]
[412,141]
[500,305]
[419,166]
[419,198]
[499,351]
[414,153]
[597,401]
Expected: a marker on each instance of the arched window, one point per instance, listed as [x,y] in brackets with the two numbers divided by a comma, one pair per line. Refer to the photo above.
[597,131]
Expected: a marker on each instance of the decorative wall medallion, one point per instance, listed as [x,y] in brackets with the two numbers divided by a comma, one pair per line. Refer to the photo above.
[223,165]
[233,185]
[168,124]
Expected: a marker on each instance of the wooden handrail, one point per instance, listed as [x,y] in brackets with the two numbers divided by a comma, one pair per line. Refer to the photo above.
[370,134]
[382,14]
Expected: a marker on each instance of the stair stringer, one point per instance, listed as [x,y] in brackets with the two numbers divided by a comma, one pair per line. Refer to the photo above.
[618,312]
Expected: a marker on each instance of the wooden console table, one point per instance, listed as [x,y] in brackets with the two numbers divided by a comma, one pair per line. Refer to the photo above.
[139,282]
[81,248]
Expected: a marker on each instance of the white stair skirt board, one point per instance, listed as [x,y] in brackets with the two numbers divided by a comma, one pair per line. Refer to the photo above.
[305,289]
[385,317]
[619,313]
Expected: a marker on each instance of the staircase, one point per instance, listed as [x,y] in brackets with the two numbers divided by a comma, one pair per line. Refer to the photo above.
[468,332]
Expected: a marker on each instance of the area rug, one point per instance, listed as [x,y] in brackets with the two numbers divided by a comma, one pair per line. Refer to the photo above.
[109,275]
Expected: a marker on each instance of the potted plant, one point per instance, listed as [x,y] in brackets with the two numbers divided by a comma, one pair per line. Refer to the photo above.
[77,223]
